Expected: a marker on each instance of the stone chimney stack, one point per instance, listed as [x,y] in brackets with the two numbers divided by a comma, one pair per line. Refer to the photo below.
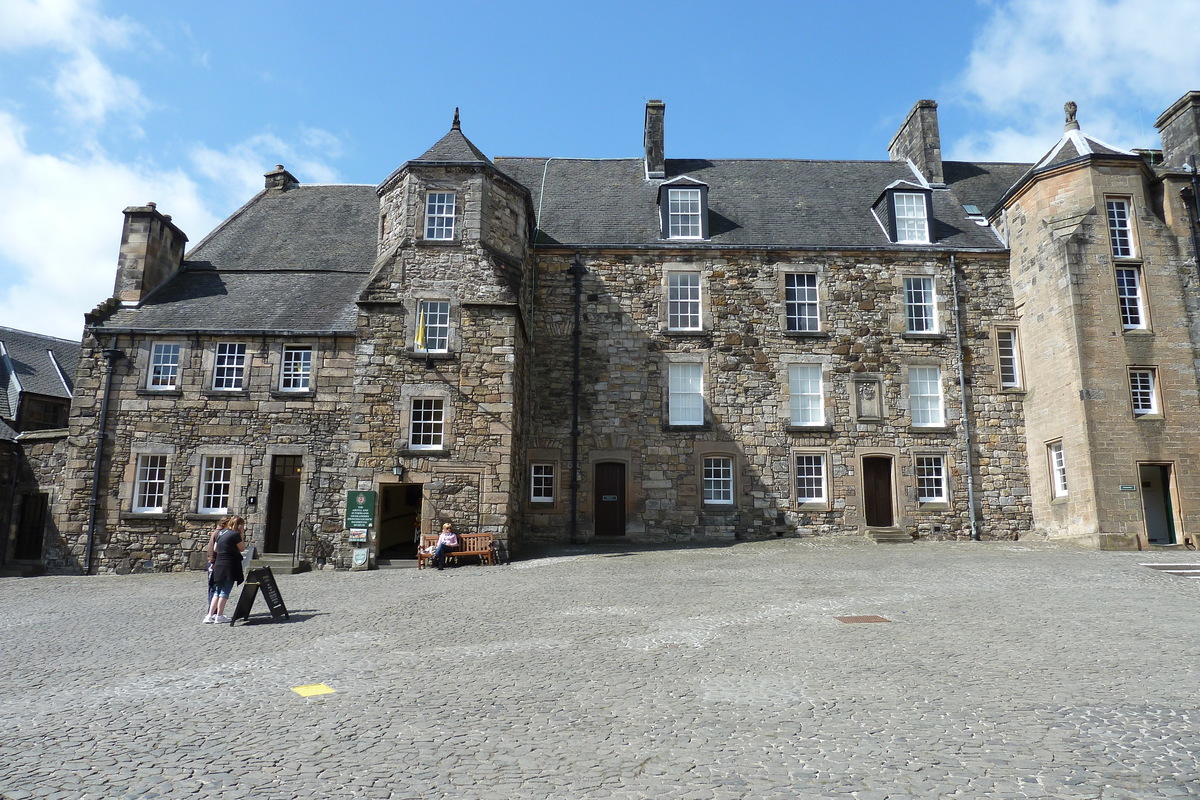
[1180,129]
[279,179]
[656,160]
[151,252]
[918,139]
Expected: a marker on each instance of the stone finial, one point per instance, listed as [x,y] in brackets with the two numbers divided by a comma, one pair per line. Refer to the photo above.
[1071,108]
[456,126]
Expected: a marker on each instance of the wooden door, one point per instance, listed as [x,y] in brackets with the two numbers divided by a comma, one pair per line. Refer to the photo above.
[877,491]
[609,485]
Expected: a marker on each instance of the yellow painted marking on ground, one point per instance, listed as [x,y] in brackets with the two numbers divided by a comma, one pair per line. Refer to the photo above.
[312,689]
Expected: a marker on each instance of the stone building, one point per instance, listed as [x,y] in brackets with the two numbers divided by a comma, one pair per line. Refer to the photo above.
[660,349]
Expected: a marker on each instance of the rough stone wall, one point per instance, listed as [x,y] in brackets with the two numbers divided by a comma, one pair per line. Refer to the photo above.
[1077,354]
[41,468]
[251,426]
[745,351]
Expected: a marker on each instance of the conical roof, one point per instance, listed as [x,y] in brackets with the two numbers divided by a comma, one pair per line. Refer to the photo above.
[454,148]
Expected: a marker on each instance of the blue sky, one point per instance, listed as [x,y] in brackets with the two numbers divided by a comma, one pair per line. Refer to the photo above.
[109,104]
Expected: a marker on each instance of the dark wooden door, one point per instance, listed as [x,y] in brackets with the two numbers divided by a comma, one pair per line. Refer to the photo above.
[283,504]
[610,498]
[32,528]
[877,491]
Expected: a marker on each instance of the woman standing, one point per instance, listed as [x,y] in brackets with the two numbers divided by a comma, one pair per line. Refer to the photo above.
[211,551]
[227,568]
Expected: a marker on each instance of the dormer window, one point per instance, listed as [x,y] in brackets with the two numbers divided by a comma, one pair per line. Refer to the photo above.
[684,209]
[905,213]
[912,220]
[439,216]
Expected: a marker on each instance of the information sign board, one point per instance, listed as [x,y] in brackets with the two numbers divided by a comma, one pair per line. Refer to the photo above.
[360,509]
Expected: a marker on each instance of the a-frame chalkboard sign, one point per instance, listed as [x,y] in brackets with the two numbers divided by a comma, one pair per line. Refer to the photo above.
[259,579]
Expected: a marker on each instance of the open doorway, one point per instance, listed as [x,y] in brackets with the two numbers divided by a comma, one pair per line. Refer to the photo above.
[283,504]
[1156,503]
[399,519]
[877,491]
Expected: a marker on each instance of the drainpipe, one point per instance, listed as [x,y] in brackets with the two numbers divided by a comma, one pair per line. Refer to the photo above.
[962,391]
[576,272]
[111,356]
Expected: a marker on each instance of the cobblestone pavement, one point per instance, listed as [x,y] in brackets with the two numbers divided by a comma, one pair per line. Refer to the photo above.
[1007,670]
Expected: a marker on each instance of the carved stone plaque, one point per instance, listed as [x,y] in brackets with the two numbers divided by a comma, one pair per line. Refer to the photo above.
[868,397]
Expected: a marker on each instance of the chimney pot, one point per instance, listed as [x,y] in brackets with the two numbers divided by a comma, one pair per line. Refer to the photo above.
[656,162]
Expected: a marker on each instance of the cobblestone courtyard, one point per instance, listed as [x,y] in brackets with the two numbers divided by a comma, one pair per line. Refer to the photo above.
[1006,670]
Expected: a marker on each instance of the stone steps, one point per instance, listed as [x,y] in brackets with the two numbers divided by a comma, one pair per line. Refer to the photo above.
[280,563]
[889,536]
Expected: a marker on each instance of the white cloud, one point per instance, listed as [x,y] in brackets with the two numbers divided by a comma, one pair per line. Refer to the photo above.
[63,24]
[238,170]
[89,91]
[1122,61]
[60,229]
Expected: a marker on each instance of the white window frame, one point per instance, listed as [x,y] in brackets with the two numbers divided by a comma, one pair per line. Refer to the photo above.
[801,302]
[1143,391]
[810,478]
[295,372]
[427,423]
[685,393]
[929,469]
[685,210]
[1058,469]
[1131,299]
[150,484]
[440,207]
[925,405]
[542,482]
[1008,358]
[229,367]
[163,372]
[685,301]
[912,217]
[1120,227]
[216,484]
[717,480]
[920,304]
[433,327]
[806,394]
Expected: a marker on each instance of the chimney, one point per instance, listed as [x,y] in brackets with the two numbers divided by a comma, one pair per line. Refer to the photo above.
[151,252]
[279,179]
[1180,129]
[918,139]
[656,166]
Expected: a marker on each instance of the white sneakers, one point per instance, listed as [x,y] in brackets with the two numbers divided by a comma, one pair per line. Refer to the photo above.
[221,619]
[210,618]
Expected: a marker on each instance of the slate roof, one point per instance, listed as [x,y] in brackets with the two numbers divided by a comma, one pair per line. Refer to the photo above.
[765,203]
[31,363]
[286,261]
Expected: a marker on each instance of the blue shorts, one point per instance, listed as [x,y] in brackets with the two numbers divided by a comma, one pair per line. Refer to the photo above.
[223,589]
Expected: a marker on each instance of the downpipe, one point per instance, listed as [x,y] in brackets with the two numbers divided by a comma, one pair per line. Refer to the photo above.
[962,393]
[111,356]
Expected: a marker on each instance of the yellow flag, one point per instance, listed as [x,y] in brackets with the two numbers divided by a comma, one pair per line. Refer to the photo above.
[419,341]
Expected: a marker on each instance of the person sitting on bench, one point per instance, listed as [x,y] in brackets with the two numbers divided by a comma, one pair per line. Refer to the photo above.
[447,541]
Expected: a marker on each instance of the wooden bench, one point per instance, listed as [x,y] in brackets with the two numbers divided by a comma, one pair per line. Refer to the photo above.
[469,544]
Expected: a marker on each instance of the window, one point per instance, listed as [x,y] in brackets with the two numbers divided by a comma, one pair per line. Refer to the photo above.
[925,396]
[683,301]
[229,370]
[1007,361]
[541,483]
[1129,298]
[800,301]
[433,327]
[426,426]
[1143,386]
[216,483]
[1058,469]
[912,222]
[686,394]
[150,485]
[931,479]
[920,306]
[718,481]
[810,478]
[806,393]
[1119,230]
[164,367]
[684,214]
[295,373]
[439,215]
